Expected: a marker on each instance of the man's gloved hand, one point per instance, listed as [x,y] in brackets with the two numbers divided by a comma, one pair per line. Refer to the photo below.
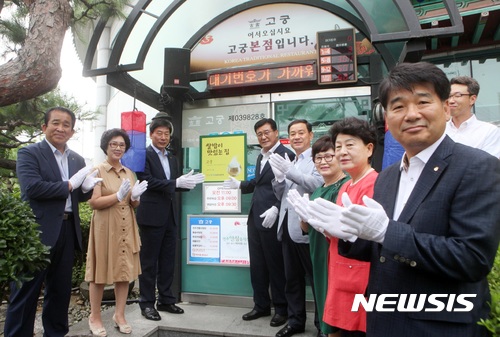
[231,183]
[77,179]
[367,222]
[278,174]
[138,189]
[280,163]
[90,181]
[300,204]
[124,189]
[189,180]
[269,217]
[325,218]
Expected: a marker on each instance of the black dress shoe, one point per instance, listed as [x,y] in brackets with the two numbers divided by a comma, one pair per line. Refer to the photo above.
[171,308]
[151,314]
[288,331]
[321,334]
[278,320]
[254,314]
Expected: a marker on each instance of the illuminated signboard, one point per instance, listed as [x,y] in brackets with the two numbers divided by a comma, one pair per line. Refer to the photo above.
[337,56]
[262,76]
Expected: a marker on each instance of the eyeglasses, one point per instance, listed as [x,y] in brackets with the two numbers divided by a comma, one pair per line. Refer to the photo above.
[162,134]
[328,158]
[458,95]
[265,133]
[115,145]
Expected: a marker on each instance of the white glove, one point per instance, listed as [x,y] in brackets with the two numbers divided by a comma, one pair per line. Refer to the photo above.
[367,222]
[77,179]
[90,181]
[278,174]
[300,204]
[280,163]
[231,183]
[325,218]
[269,217]
[138,189]
[124,189]
[189,180]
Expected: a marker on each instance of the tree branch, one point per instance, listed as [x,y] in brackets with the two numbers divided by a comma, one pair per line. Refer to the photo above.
[36,70]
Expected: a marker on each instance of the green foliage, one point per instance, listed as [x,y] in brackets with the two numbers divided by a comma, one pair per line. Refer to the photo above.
[83,11]
[493,322]
[81,256]
[21,251]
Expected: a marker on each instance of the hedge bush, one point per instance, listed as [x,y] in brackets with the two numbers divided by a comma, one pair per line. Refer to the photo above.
[493,322]
[21,251]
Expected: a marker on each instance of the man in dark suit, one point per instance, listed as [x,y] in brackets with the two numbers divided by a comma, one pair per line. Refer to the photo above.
[266,256]
[50,176]
[158,220]
[435,225]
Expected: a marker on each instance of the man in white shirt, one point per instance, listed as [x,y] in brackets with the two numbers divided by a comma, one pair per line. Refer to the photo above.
[464,127]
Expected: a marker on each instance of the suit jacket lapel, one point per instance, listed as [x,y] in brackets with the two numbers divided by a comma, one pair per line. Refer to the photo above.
[428,178]
[257,167]
[46,151]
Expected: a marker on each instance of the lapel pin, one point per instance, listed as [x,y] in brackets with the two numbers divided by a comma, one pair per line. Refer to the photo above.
[436,169]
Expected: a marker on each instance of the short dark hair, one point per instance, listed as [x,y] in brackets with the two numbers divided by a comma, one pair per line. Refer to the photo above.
[298,121]
[112,133]
[158,122]
[265,121]
[62,109]
[323,144]
[405,76]
[355,127]
[471,83]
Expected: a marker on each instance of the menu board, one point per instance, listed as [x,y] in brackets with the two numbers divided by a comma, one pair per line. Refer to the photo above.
[337,56]
[218,239]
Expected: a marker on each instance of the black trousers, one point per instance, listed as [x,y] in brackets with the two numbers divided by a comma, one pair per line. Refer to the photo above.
[298,267]
[20,319]
[157,264]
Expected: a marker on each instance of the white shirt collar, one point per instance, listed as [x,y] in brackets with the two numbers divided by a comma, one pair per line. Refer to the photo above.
[52,147]
[271,150]
[425,154]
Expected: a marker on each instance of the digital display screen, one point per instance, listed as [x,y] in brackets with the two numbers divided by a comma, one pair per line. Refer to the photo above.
[262,76]
[337,56]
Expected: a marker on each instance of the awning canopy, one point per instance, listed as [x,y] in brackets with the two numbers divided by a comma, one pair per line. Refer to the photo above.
[400,30]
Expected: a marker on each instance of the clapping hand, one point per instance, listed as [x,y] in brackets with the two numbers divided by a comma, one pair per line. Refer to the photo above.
[279,163]
[367,222]
[325,217]
[90,181]
[123,190]
[77,179]
[300,204]
[139,189]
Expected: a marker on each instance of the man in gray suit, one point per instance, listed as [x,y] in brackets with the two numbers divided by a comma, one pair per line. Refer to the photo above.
[302,176]
[433,226]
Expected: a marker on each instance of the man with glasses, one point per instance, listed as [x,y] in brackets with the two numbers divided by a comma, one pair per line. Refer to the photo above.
[158,220]
[464,127]
[266,256]
[302,176]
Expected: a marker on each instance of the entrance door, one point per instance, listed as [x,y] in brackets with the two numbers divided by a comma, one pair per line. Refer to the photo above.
[215,283]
